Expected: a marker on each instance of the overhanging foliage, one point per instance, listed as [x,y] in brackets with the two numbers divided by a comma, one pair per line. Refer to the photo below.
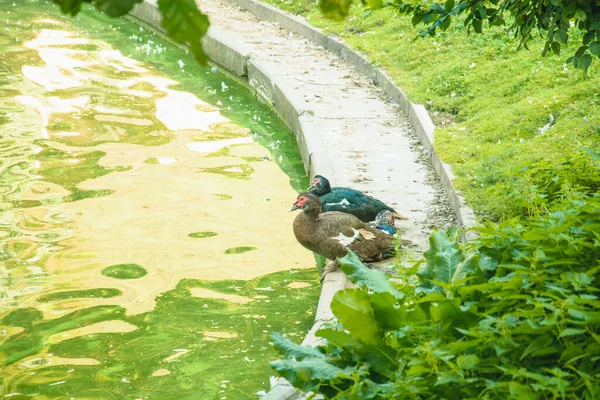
[181,19]
[555,20]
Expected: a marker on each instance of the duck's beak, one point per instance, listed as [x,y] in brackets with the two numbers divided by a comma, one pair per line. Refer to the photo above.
[294,207]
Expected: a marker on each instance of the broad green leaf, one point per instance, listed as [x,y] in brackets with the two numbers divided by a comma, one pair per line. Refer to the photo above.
[185,24]
[71,7]
[335,9]
[449,5]
[381,359]
[451,267]
[519,391]
[584,62]
[437,296]
[359,274]
[561,36]
[580,15]
[439,242]
[449,311]
[338,338]
[115,8]
[386,310]
[353,309]
[467,362]
[418,369]
[290,349]
[445,378]
[308,374]
[595,49]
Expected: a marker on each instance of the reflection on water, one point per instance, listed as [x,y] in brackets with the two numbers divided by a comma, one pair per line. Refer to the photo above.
[145,240]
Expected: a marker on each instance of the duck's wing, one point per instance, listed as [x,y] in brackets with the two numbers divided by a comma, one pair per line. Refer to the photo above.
[335,223]
[352,201]
[373,244]
[345,229]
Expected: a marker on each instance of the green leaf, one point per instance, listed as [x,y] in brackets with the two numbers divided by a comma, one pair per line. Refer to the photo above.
[71,7]
[445,377]
[476,25]
[337,338]
[467,362]
[571,332]
[555,48]
[308,374]
[537,344]
[449,5]
[382,359]
[418,369]
[519,391]
[593,154]
[580,15]
[595,48]
[561,36]
[375,4]
[588,37]
[290,349]
[353,309]
[359,274]
[439,242]
[416,18]
[386,310]
[115,8]
[449,311]
[185,24]
[335,9]
[584,62]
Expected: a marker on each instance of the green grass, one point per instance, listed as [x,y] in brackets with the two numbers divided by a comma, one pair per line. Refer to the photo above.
[488,100]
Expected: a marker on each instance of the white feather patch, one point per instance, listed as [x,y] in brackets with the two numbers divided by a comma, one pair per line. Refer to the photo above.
[366,234]
[346,240]
[342,203]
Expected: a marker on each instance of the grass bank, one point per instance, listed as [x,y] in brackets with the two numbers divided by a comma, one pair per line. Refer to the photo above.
[510,122]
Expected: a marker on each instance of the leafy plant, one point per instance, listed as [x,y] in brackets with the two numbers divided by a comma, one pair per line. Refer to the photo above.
[182,19]
[552,19]
[514,314]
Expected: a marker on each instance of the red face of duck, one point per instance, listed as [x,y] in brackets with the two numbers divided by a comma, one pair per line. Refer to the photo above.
[315,182]
[300,202]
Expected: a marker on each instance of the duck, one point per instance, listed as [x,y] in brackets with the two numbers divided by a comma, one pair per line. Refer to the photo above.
[333,234]
[347,200]
[385,222]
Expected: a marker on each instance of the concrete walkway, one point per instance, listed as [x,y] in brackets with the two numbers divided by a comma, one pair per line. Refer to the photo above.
[370,143]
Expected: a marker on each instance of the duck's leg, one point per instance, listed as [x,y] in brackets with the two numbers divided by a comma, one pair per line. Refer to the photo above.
[330,266]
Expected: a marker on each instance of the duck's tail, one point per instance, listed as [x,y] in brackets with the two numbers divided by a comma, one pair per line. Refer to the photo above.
[399,216]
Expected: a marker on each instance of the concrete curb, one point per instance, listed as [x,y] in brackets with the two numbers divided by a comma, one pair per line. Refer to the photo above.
[234,56]
[417,113]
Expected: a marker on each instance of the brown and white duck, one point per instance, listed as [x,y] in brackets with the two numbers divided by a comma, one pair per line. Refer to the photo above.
[332,234]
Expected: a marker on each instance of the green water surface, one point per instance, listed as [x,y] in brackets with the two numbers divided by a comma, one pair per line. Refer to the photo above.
[71,323]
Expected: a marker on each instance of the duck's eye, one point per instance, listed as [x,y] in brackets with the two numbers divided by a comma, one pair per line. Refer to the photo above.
[301,201]
[315,181]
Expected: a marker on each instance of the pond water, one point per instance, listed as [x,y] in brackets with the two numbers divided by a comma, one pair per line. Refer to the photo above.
[146,247]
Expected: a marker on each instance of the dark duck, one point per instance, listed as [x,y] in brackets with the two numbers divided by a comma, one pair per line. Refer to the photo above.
[348,200]
[385,221]
[332,234]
